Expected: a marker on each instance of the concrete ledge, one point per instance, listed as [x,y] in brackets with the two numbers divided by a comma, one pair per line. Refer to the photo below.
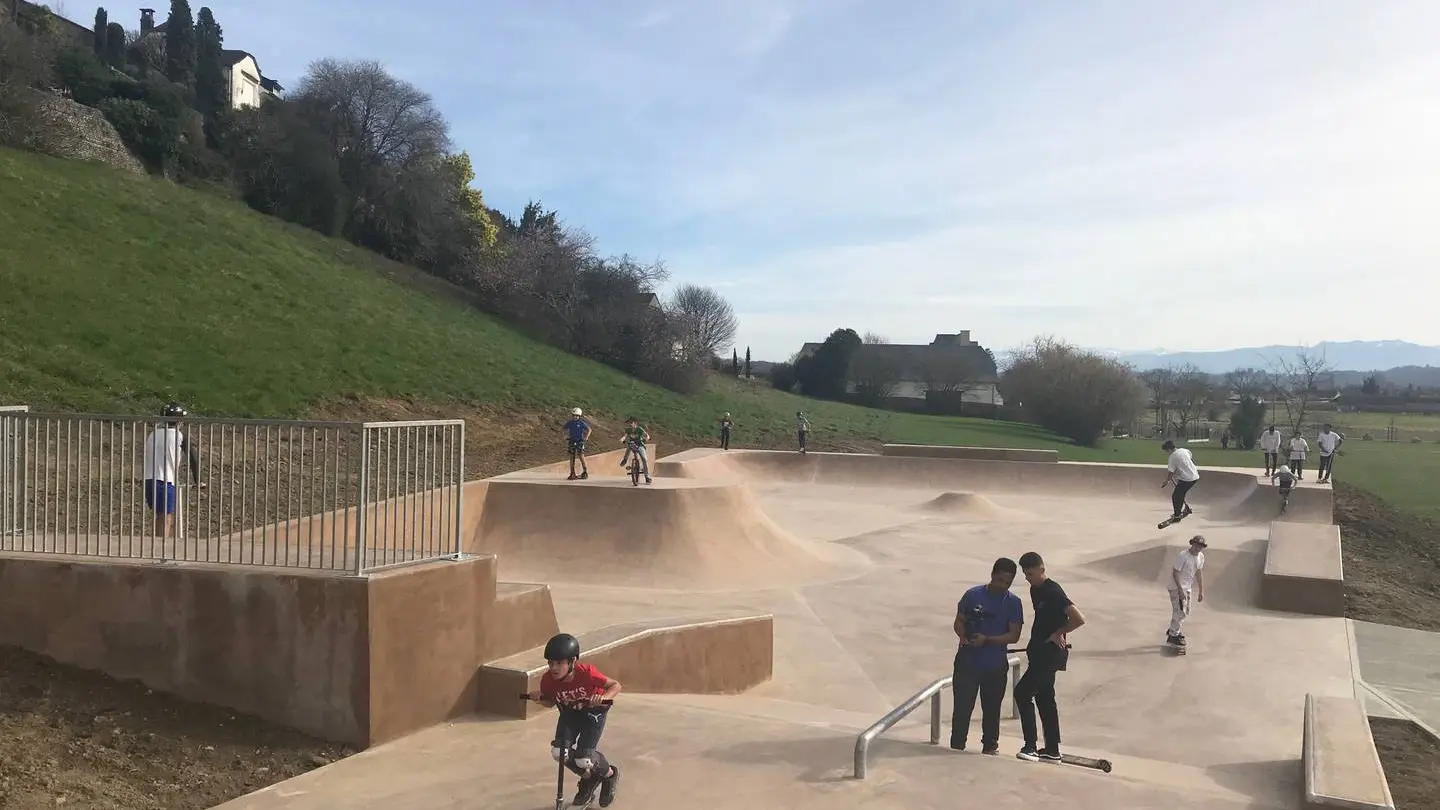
[707,656]
[1303,570]
[973,453]
[1342,767]
[522,618]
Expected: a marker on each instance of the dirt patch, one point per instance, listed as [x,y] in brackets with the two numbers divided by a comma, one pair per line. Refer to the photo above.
[78,739]
[1411,759]
[1392,562]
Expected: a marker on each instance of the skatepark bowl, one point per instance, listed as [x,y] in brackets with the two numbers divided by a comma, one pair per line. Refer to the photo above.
[763,609]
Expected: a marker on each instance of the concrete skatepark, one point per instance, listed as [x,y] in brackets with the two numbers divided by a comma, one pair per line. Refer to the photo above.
[857,561]
[763,608]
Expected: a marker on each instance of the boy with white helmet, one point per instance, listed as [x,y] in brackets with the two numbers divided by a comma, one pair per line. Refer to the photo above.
[725,425]
[577,432]
[1285,480]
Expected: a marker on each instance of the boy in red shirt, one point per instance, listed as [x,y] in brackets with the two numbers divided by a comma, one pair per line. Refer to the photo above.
[580,691]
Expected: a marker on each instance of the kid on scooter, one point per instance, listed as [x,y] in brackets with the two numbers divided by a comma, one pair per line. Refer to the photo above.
[580,690]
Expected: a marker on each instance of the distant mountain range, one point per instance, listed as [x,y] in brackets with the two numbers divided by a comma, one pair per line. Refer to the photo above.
[1393,359]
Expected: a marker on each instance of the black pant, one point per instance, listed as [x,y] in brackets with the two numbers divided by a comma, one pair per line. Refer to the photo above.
[1297,466]
[1036,690]
[724,438]
[989,684]
[587,726]
[802,439]
[1177,498]
[1325,464]
[1272,462]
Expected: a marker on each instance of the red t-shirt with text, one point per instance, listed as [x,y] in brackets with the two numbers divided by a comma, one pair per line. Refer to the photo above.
[587,682]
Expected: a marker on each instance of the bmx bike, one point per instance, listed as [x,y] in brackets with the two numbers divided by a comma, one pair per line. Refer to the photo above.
[568,746]
[634,464]
[1285,499]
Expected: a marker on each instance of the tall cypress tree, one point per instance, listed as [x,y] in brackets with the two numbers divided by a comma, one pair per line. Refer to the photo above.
[210,90]
[180,43]
[102,31]
[115,45]
[747,362]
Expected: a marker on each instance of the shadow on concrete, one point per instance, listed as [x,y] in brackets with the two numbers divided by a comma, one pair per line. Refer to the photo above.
[1272,783]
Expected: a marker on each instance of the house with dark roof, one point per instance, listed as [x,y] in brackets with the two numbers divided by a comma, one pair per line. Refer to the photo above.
[247,85]
[951,368]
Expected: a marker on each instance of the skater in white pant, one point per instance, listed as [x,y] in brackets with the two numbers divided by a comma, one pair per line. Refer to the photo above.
[1185,575]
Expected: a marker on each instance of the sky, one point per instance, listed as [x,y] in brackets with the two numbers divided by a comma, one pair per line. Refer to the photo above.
[1127,175]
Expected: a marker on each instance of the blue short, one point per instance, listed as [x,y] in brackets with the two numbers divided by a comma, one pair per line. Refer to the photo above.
[153,498]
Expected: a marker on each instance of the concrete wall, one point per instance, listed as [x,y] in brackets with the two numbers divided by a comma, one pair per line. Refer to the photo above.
[976,453]
[290,648]
[354,660]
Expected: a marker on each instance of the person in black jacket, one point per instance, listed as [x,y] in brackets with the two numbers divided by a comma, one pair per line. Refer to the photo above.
[1055,617]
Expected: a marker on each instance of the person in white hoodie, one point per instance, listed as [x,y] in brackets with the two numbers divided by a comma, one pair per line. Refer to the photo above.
[1298,450]
[164,450]
[1270,446]
[1328,441]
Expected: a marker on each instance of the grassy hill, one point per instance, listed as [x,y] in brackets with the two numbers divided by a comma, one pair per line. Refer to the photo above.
[121,292]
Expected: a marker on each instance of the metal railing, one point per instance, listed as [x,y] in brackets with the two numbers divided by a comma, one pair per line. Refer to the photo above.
[931,693]
[335,496]
[10,468]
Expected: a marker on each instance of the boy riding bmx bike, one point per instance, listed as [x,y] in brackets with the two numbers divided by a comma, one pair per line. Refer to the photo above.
[635,439]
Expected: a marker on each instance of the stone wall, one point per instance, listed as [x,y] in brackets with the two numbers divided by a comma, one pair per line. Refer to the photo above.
[83,133]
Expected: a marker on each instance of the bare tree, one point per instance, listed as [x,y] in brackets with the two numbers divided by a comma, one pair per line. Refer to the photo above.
[1294,382]
[25,63]
[705,320]
[1076,393]
[1189,394]
[1161,385]
[875,369]
[1247,383]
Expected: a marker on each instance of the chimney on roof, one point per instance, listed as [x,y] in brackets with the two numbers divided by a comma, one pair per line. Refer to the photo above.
[147,21]
[965,338]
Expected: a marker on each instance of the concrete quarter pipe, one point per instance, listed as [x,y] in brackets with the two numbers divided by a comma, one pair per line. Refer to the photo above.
[674,534]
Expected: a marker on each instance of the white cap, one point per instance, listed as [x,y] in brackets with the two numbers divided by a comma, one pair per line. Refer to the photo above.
[576,412]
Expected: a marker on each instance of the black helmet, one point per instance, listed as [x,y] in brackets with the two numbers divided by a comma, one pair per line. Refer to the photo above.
[173,409]
[563,647]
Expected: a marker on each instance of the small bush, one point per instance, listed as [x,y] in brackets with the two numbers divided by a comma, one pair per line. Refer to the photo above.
[782,376]
[145,132]
[1246,423]
[83,77]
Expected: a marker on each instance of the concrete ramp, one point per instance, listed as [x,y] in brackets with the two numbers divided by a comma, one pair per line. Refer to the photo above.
[1308,504]
[1232,576]
[971,506]
[675,534]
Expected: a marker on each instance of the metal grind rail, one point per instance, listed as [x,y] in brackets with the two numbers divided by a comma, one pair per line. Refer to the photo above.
[347,497]
[931,693]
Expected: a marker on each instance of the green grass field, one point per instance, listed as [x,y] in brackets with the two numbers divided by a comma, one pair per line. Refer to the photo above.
[122,292]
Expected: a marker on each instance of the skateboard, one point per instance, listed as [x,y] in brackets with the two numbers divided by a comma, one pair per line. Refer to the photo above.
[1170,521]
[1102,765]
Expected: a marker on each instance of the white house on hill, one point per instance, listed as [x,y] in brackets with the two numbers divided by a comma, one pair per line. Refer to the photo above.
[248,86]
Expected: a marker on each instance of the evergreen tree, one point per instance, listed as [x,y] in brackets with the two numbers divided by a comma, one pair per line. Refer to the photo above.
[210,91]
[747,362]
[115,45]
[102,32]
[735,362]
[180,43]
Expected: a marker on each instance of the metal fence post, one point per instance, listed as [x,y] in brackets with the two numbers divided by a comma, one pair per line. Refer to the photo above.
[460,497]
[12,443]
[361,499]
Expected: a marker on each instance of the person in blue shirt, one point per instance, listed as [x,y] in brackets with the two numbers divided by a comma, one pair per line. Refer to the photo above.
[988,618]
[577,432]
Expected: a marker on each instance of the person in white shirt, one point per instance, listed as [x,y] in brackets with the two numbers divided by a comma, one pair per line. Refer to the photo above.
[802,428]
[1329,441]
[1182,472]
[1298,448]
[1270,446]
[1184,576]
[163,449]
